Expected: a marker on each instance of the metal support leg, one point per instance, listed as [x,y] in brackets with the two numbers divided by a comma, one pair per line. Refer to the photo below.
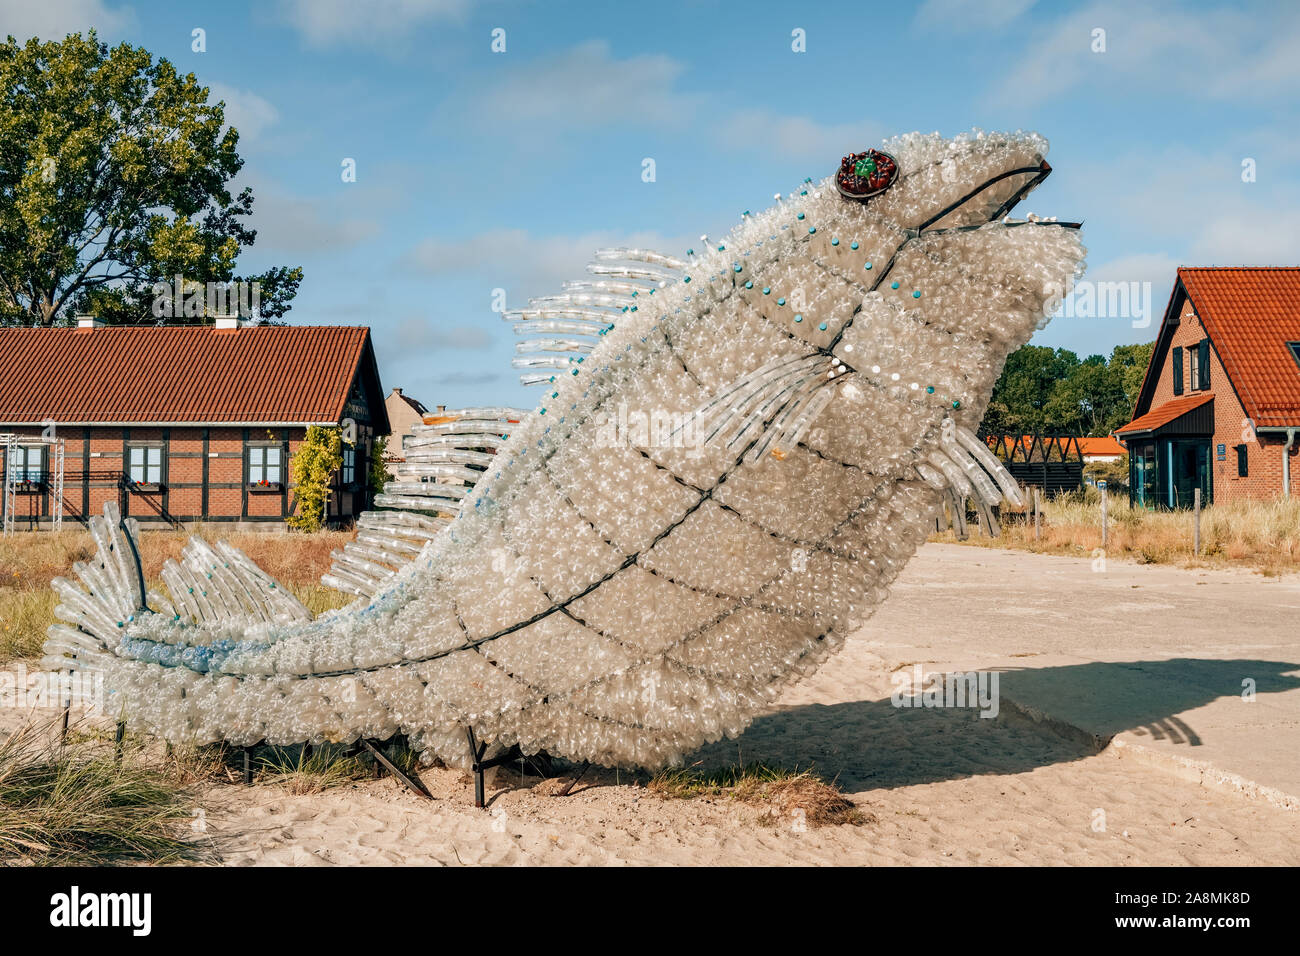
[476,766]
[248,767]
[63,734]
[411,781]
[119,734]
[568,787]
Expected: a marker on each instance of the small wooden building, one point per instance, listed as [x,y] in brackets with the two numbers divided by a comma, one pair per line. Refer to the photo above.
[180,424]
[1219,408]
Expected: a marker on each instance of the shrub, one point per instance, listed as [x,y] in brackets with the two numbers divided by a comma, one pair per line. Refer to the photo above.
[313,467]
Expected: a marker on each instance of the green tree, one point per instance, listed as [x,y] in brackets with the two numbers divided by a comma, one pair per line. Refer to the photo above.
[1131,362]
[114,173]
[1050,391]
[379,474]
[312,468]
[1024,389]
[1086,400]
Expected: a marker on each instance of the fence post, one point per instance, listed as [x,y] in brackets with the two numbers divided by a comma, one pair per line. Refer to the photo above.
[1105,531]
[1196,522]
[1037,524]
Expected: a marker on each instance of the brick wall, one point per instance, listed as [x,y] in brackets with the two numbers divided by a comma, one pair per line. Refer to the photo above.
[1263,453]
[93,460]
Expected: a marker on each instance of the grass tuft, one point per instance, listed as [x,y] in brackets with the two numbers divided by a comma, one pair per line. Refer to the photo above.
[786,796]
[324,768]
[76,805]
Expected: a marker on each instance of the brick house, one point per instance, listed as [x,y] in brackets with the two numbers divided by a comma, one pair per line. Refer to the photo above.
[180,424]
[1219,407]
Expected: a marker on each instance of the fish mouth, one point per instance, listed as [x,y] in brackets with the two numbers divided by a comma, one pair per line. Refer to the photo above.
[1034,175]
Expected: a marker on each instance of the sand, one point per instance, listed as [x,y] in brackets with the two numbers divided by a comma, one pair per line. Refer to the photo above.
[936,786]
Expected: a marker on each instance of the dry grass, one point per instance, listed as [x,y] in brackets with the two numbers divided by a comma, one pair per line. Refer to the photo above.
[77,805]
[296,769]
[1261,535]
[30,560]
[786,797]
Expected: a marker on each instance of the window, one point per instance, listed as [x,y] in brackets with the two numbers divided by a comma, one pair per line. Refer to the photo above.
[265,465]
[1243,466]
[27,463]
[144,464]
[1193,369]
[349,465]
[1295,351]
[1177,362]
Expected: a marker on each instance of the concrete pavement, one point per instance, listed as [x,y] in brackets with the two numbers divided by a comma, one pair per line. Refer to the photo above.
[1196,671]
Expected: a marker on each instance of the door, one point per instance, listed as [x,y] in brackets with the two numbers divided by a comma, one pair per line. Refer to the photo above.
[1190,469]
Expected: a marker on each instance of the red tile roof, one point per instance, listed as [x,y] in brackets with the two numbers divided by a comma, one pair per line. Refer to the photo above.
[254,375]
[1105,445]
[1166,413]
[1251,313]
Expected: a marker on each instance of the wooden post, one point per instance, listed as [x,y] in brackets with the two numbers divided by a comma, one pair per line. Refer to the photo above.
[1104,529]
[1196,522]
[1037,516]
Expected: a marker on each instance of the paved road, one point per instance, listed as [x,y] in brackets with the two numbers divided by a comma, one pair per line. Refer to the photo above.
[1160,658]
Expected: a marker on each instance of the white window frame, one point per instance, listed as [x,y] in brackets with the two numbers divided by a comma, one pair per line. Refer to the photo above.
[262,468]
[145,472]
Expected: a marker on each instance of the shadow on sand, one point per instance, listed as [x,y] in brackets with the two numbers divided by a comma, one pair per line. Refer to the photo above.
[871,744]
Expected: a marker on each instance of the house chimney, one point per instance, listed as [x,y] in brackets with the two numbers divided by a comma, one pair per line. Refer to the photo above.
[228,322]
[397,391]
[89,322]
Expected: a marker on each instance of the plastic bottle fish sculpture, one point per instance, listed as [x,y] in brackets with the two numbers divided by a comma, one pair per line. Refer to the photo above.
[733,457]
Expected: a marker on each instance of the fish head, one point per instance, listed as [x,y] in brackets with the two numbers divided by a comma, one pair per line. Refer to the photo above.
[942,183]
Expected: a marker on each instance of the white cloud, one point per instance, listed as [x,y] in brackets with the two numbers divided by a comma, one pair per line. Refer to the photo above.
[1193,200]
[796,137]
[374,23]
[1154,267]
[1252,236]
[514,258]
[584,86]
[55,19]
[288,224]
[245,110]
[1159,47]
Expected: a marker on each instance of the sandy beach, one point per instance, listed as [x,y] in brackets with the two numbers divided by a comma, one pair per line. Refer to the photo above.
[1117,741]
[936,786]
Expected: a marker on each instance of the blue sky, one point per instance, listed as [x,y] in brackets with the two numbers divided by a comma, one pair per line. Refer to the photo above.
[479,170]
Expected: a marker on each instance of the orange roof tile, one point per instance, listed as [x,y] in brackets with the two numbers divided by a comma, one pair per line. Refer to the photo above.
[256,375]
[1251,313]
[1166,413]
[1105,445]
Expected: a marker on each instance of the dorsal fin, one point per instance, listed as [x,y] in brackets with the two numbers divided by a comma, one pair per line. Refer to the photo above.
[443,459]
[564,328]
